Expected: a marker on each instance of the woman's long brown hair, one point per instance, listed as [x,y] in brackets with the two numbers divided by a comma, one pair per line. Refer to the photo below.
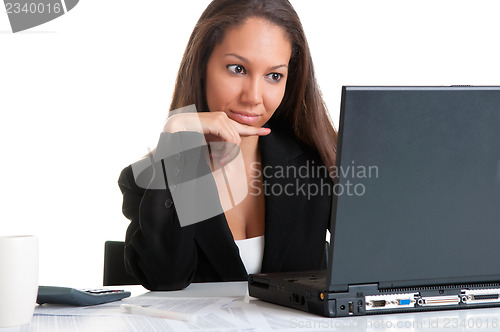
[302,108]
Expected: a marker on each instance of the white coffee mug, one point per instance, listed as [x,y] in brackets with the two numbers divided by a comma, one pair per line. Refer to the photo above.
[18,279]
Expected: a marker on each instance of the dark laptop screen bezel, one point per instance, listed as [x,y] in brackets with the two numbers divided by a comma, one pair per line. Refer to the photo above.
[476,95]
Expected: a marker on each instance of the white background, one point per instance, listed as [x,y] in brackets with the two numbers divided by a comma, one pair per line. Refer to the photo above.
[85,95]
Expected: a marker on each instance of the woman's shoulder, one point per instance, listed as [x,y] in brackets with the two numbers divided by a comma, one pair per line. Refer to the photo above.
[127,181]
[125,175]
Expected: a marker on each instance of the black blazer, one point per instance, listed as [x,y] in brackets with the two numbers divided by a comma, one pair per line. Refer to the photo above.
[164,256]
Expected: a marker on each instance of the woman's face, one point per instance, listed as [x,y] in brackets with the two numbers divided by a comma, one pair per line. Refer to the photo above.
[247,72]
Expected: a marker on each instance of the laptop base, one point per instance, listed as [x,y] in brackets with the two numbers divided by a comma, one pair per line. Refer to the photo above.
[306,291]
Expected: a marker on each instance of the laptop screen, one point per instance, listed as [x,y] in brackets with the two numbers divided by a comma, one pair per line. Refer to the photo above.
[418,188]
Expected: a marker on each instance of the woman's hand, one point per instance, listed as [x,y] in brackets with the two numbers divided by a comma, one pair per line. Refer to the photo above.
[221,133]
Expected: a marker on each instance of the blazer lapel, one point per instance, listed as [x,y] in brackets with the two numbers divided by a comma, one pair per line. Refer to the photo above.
[283,209]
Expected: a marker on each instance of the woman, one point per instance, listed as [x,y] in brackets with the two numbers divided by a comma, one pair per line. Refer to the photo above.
[248,70]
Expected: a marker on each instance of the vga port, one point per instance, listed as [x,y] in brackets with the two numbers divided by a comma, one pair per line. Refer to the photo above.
[404,302]
[390,301]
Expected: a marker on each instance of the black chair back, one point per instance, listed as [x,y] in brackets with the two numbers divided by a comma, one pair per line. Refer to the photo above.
[114,265]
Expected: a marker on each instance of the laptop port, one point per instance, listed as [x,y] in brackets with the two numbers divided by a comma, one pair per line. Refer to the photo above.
[481,296]
[485,297]
[297,299]
[404,302]
[351,308]
[390,301]
[263,283]
[378,303]
[439,300]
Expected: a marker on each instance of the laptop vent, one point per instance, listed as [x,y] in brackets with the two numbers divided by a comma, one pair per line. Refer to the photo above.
[411,289]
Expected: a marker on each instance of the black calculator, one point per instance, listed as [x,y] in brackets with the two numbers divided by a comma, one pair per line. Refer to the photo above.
[78,297]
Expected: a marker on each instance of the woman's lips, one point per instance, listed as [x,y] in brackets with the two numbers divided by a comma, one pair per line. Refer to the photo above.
[248,119]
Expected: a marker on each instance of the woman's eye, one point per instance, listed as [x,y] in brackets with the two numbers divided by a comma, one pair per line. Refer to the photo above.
[236,69]
[275,77]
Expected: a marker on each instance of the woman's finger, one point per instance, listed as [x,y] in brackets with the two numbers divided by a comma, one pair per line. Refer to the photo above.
[244,130]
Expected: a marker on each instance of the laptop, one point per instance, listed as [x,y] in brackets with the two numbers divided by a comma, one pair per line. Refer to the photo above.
[420,228]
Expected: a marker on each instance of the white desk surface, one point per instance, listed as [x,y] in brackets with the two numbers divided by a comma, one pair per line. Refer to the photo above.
[448,320]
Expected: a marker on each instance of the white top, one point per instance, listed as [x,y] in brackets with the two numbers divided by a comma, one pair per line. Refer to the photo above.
[251,253]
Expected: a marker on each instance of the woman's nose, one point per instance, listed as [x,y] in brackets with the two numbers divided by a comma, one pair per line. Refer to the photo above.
[252,91]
